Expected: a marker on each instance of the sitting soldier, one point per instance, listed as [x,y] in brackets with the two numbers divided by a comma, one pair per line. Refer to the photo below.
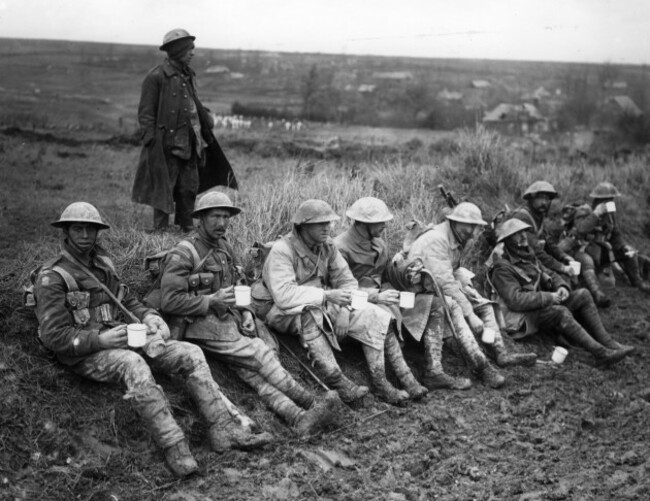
[441,250]
[82,307]
[311,286]
[533,296]
[197,293]
[367,255]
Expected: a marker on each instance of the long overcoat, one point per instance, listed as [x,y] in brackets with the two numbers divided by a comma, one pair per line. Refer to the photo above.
[166,93]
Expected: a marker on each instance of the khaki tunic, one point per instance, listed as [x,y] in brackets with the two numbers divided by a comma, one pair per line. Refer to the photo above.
[297,278]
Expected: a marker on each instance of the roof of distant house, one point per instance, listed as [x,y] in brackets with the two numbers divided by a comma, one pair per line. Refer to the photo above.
[480,84]
[218,69]
[626,105]
[511,112]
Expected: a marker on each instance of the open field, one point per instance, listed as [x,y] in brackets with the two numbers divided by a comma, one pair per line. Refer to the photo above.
[569,432]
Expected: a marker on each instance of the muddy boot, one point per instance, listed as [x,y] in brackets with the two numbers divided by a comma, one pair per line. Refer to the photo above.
[179,459]
[490,376]
[631,267]
[321,353]
[381,386]
[505,358]
[435,377]
[223,432]
[323,413]
[592,323]
[401,368]
[273,398]
[579,336]
[593,285]
[150,403]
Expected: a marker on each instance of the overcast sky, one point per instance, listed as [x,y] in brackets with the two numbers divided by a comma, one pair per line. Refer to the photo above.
[553,30]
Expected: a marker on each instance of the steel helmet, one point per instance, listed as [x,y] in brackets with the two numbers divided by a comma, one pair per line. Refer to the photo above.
[369,210]
[540,187]
[215,200]
[314,211]
[173,36]
[605,190]
[510,227]
[80,212]
[466,212]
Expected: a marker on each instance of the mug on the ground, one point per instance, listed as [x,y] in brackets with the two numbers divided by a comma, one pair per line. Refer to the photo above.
[406,299]
[559,354]
[136,335]
[359,300]
[242,295]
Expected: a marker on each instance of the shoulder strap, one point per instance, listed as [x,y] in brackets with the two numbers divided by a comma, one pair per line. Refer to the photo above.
[69,280]
[195,255]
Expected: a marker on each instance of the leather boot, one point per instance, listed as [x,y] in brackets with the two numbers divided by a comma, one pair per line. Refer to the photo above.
[505,358]
[321,414]
[593,324]
[491,376]
[631,267]
[151,404]
[579,336]
[381,386]
[321,353]
[593,285]
[223,432]
[401,368]
[179,459]
[435,377]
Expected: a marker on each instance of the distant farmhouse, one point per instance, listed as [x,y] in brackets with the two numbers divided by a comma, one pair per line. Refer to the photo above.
[519,119]
[218,70]
[480,84]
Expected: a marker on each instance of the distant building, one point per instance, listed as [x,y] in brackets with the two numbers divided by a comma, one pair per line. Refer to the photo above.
[622,105]
[480,84]
[615,85]
[510,118]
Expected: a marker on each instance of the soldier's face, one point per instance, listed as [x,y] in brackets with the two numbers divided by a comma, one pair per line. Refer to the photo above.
[541,203]
[215,222]
[517,241]
[81,236]
[375,229]
[186,58]
[465,231]
[315,233]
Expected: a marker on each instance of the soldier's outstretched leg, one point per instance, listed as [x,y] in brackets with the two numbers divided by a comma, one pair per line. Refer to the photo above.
[435,376]
[151,404]
[590,279]
[633,272]
[323,412]
[471,351]
[189,361]
[583,307]
[563,320]
[401,368]
[381,386]
[320,352]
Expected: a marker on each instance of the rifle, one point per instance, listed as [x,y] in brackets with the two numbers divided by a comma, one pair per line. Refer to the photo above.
[449,198]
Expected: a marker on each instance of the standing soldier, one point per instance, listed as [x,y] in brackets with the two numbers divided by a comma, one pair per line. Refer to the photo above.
[538,197]
[81,305]
[441,251]
[367,255]
[535,296]
[180,155]
[197,293]
[604,209]
[311,286]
